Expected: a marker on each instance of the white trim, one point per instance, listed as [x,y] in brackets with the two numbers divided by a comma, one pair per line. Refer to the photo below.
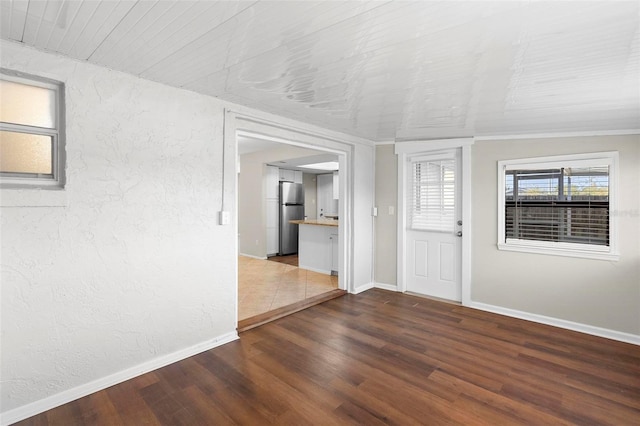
[391,142]
[385,286]
[556,322]
[42,405]
[403,150]
[290,125]
[252,256]
[282,130]
[401,222]
[466,225]
[364,287]
[254,135]
[559,135]
[57,134]
[609,253]
[558,249]
[319,271]
[409,147]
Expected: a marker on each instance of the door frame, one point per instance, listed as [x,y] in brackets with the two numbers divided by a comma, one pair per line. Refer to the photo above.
[404,150]
[238,123]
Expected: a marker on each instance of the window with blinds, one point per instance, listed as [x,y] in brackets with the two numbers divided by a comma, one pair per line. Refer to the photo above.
[432,186]
[558,203]
[566,204]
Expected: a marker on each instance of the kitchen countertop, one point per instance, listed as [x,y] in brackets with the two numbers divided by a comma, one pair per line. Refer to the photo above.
[320,222]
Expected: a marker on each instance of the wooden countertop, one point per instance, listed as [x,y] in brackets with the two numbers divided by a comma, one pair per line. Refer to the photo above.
[320,222]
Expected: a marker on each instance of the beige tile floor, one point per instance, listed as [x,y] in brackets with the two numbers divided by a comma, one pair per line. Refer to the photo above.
[264,285]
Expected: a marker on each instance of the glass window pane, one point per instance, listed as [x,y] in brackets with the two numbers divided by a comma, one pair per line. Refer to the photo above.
[28,105]
[432,194]
[25,153]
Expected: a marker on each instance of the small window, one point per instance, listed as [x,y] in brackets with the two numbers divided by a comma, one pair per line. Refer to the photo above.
[432,186]
[559,205]
[30,131]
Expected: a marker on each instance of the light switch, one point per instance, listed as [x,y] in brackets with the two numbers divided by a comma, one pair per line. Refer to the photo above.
[225,217]
[392,210]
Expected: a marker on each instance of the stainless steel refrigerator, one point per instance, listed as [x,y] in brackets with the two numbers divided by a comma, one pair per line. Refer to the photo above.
[291,208]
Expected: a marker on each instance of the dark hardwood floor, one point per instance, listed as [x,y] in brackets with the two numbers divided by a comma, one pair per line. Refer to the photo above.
[382,358]
[261,319]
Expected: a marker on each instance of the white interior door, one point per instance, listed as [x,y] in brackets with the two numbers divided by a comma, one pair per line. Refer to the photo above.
[434,226]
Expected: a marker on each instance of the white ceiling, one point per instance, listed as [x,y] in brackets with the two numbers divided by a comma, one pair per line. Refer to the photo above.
[377,69]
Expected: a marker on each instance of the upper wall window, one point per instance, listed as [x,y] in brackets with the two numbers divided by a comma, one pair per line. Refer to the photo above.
[559,205]
[31,140]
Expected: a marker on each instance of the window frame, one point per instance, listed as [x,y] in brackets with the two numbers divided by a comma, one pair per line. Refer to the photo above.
[589,251]
[32,180]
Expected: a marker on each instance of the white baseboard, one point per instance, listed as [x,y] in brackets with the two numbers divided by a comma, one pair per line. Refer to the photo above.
[557,322]
[363,287]
[252,256]
[385,286]
[37,407]
[320,271]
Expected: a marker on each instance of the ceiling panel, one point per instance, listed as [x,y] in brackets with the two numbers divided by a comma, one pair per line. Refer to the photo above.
[13,15]
[196,20]
[377,69]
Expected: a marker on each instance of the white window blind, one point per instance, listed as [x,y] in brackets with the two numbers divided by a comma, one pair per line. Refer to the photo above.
[566,204]
[432,197]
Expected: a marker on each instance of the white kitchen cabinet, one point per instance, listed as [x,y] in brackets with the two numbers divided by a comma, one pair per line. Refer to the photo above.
[273,243]
[335,251]
[271,180]
[318,247]
[272,209]
[287,175]
[336,186]
[294,176]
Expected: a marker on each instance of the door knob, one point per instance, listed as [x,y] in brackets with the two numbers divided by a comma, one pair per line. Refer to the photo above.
[459,233]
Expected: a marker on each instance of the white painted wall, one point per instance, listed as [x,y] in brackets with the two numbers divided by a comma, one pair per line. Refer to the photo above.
[134,266]
[131,270]
[310,195]
[363,202]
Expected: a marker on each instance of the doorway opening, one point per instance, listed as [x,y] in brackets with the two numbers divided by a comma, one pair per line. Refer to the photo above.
[434,188]
[265,163]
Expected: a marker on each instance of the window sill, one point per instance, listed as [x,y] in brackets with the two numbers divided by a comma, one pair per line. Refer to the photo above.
[33,197]
[558,249]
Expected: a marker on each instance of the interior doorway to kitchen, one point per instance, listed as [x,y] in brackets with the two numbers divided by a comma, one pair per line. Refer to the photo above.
[270,278]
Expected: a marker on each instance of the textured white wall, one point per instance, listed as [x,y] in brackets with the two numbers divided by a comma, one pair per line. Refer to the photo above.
[134,266]
[131,267]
